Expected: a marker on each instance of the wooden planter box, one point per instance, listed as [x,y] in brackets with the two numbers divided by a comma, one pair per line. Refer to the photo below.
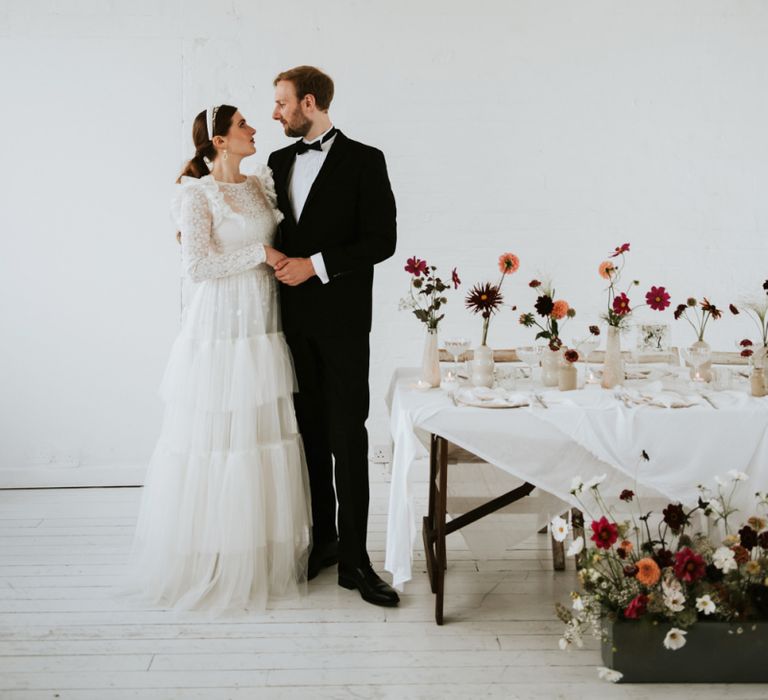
[714,652]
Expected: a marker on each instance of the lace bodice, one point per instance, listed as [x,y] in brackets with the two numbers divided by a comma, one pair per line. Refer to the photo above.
[225,226]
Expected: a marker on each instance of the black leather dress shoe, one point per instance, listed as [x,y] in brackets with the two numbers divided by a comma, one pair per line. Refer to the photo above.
[322,556]
[371,587]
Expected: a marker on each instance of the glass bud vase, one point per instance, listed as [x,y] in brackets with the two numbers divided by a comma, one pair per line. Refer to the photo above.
[705,371]
[482,366]
[430,363]
[550,366]
[613,365]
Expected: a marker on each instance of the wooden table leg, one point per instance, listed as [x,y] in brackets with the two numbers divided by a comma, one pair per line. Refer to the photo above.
[441,561]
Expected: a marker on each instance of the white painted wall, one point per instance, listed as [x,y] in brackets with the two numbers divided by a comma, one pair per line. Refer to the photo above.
[555,129]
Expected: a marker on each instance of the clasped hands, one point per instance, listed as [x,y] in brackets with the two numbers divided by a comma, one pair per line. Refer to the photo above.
[290,271]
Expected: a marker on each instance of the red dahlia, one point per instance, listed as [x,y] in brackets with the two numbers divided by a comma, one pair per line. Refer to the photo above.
[689,566]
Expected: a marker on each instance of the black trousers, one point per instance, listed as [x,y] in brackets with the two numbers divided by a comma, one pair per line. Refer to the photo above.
[331,409]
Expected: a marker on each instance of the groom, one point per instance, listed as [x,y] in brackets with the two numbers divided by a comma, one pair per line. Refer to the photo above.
[339,222]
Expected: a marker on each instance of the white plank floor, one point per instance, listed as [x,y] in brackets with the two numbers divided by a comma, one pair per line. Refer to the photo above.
[66,633]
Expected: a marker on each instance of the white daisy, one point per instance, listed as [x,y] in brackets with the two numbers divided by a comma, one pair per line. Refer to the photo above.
[576,485]
[578,603]
[725,559]
[576,546]
[559,527]
[675,639]
[563,643]
[595,481]
[608,674]
[705,604]
[738,476]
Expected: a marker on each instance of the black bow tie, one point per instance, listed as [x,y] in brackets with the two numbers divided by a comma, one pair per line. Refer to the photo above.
[302,146]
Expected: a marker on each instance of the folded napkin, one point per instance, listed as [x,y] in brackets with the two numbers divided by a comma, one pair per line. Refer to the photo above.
[654,395]
[491,398]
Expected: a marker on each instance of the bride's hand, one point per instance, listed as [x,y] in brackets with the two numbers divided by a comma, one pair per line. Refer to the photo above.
[274,256]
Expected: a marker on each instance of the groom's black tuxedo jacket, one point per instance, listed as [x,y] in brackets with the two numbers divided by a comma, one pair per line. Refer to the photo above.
[349,217]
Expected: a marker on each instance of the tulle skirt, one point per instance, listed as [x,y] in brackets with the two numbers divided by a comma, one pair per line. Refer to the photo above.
[225,518]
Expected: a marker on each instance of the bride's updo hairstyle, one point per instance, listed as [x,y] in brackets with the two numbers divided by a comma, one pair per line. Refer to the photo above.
[221,117]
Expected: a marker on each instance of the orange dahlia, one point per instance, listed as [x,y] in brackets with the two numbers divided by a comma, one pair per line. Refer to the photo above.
[508,263]
[559,309]
[648,572]
[606,269]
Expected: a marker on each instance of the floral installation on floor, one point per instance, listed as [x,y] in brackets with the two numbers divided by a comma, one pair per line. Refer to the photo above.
[659,570]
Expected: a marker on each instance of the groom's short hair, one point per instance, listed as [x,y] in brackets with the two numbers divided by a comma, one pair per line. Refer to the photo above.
[308,80]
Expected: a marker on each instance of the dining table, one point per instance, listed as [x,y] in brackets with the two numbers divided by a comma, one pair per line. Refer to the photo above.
[658,432]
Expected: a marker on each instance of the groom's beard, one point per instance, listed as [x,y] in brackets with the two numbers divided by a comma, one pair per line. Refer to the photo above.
[300,127]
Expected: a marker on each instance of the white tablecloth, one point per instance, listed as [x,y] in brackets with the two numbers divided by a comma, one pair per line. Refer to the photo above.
[587,433]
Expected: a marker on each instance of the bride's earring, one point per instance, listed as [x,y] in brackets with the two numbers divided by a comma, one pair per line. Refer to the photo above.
[225,155]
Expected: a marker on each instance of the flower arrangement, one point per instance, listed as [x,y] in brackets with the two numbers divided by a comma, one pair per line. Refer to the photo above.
[619,305]
[552,312]
[485,298]
[659,570]
[698,314]
[426,289]
[757,309]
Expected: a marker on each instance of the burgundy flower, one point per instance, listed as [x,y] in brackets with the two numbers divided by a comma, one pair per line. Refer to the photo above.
[555,344]
[621,305]
[630,571]
[745,343]
[544,305]
[623,248]
[657,298]
[637,607]
[675,517]
[741,554]
[765,285]
[455,279]
[534,284]
[706,305]
[664,558]
[416,267]
[571,355]
[733,309]
[527,320]
[484,299]
[748,537]
[762,539]
[746,353]
[604,533]
[621,552]
[594,330]
[627,495]
[689,566]
[679,311]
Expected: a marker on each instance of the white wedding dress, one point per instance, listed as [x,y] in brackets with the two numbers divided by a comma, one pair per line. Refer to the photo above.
[225,517]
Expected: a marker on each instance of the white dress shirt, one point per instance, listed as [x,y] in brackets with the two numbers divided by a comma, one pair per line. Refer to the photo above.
[303,174]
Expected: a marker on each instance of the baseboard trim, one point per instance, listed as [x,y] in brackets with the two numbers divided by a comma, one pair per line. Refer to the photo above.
[72,477]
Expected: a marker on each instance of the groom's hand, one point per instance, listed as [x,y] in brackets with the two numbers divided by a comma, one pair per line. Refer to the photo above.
[294,271]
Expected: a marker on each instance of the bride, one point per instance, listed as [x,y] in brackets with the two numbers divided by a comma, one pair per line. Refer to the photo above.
[225,517]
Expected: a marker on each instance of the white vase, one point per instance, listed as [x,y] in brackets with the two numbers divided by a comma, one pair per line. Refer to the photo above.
[613,365]
[705,371]
[567,379]
[430,362]
[482,366]
[550,366]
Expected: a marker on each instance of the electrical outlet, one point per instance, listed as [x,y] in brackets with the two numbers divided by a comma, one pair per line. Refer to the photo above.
[381,454]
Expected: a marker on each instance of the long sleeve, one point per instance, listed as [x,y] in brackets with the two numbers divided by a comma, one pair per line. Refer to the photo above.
[377,223]
[200,258]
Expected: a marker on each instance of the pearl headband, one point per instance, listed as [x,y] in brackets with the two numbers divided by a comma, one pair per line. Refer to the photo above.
[210,118]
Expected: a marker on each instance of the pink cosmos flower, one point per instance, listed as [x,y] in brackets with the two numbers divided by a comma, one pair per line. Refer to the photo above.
[623,248]
[657,298]
[416,267]
[621,304]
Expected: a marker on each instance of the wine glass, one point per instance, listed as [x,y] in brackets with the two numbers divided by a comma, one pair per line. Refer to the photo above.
[585,347]
[697,355]
[529,355]
[457,347]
